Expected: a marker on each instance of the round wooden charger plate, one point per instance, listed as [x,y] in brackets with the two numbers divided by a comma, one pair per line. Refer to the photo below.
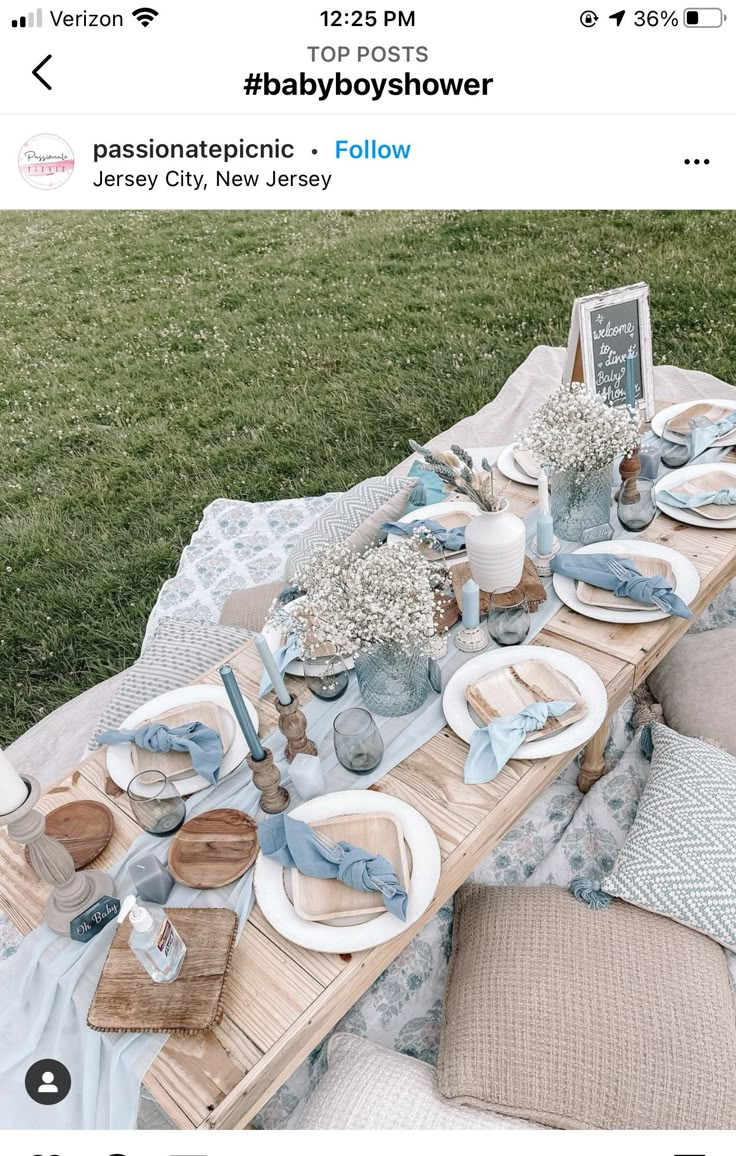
[84,828]
[214,849]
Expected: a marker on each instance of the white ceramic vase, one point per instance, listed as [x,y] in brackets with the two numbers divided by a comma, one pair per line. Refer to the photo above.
[496,544]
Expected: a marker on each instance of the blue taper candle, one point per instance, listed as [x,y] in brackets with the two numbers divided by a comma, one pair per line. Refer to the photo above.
[269,663]
[241,713]
[630,386]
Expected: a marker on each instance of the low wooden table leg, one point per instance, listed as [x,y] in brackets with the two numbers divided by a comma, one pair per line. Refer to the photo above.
[592,764]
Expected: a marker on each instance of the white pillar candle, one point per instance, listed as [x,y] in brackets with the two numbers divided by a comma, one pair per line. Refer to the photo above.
[543,492]
[307,776]
[13,791]
[273,671]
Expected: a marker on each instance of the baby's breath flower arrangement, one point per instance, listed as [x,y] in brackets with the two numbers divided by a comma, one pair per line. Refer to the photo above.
[574,430]
[457,471]
[355,602]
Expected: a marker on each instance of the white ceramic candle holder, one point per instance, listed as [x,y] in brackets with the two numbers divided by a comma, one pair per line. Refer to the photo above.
[73,891]
[543,562]
[472,640]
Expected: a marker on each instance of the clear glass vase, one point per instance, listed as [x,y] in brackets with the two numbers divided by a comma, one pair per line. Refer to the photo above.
[393,681]
[581,504]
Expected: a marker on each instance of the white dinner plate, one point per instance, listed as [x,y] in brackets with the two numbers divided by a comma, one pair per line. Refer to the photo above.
[692,517]
[119,760]
[510,468]
[660,419]
[268,879]
[569,738]
[686,581]
[274,639]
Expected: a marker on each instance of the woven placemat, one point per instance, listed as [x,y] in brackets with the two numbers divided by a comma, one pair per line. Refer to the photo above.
[127,999]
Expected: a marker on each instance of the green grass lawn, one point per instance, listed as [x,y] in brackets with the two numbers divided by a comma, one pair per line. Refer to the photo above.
[152,362]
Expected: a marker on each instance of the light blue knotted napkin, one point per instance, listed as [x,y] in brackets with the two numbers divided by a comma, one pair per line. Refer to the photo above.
[295,844]
[450,539]
[285,654]
[702,436]
[202,742]
[596,569]
[493,745]
[724,497]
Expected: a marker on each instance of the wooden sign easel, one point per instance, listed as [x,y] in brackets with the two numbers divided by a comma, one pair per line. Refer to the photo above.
[605,328]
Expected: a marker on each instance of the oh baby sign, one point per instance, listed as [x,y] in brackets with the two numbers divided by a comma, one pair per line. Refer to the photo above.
[91,922]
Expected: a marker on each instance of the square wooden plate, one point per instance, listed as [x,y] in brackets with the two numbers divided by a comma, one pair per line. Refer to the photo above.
[595,596]
[681,423]
[450,522]
[525,460]
[174,764]
[319,900]
[718,480]
[512,688]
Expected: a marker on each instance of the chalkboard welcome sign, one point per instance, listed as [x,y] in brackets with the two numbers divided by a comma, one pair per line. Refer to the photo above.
[606,330]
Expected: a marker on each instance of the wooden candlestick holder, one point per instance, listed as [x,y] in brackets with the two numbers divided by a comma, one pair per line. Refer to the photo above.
[267,778]
[73,891]
[629,469]
[293,726]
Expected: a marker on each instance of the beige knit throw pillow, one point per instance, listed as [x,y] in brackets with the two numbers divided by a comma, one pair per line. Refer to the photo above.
[562,1015]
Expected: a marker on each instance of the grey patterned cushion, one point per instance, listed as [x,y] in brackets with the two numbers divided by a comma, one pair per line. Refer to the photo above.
[680,855]
[356,517]
[179,652]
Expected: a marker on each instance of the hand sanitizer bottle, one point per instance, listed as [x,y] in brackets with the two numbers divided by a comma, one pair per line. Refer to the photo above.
[154,940]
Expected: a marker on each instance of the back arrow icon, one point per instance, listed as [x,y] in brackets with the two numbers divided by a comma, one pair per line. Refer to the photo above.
[37,72]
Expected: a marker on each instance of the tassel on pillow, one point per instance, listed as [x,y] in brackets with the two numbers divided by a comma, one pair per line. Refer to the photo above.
[588,891]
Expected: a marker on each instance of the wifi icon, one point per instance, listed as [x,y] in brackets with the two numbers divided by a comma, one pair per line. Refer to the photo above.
[145,16]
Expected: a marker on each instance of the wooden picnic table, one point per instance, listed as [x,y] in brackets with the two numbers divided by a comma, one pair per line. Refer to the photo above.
[281,999]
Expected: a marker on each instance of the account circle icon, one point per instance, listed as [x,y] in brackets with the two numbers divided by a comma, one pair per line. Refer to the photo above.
[48,1082]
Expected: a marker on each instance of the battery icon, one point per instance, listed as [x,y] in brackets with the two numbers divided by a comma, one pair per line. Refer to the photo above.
[703,17]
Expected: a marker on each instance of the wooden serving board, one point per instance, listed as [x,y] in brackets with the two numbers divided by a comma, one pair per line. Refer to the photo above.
[128,1000]
[84,828]
[176,763]
[646,565]
[530,583]
[320,900]
[512,688]
[214,849]
[717,480]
